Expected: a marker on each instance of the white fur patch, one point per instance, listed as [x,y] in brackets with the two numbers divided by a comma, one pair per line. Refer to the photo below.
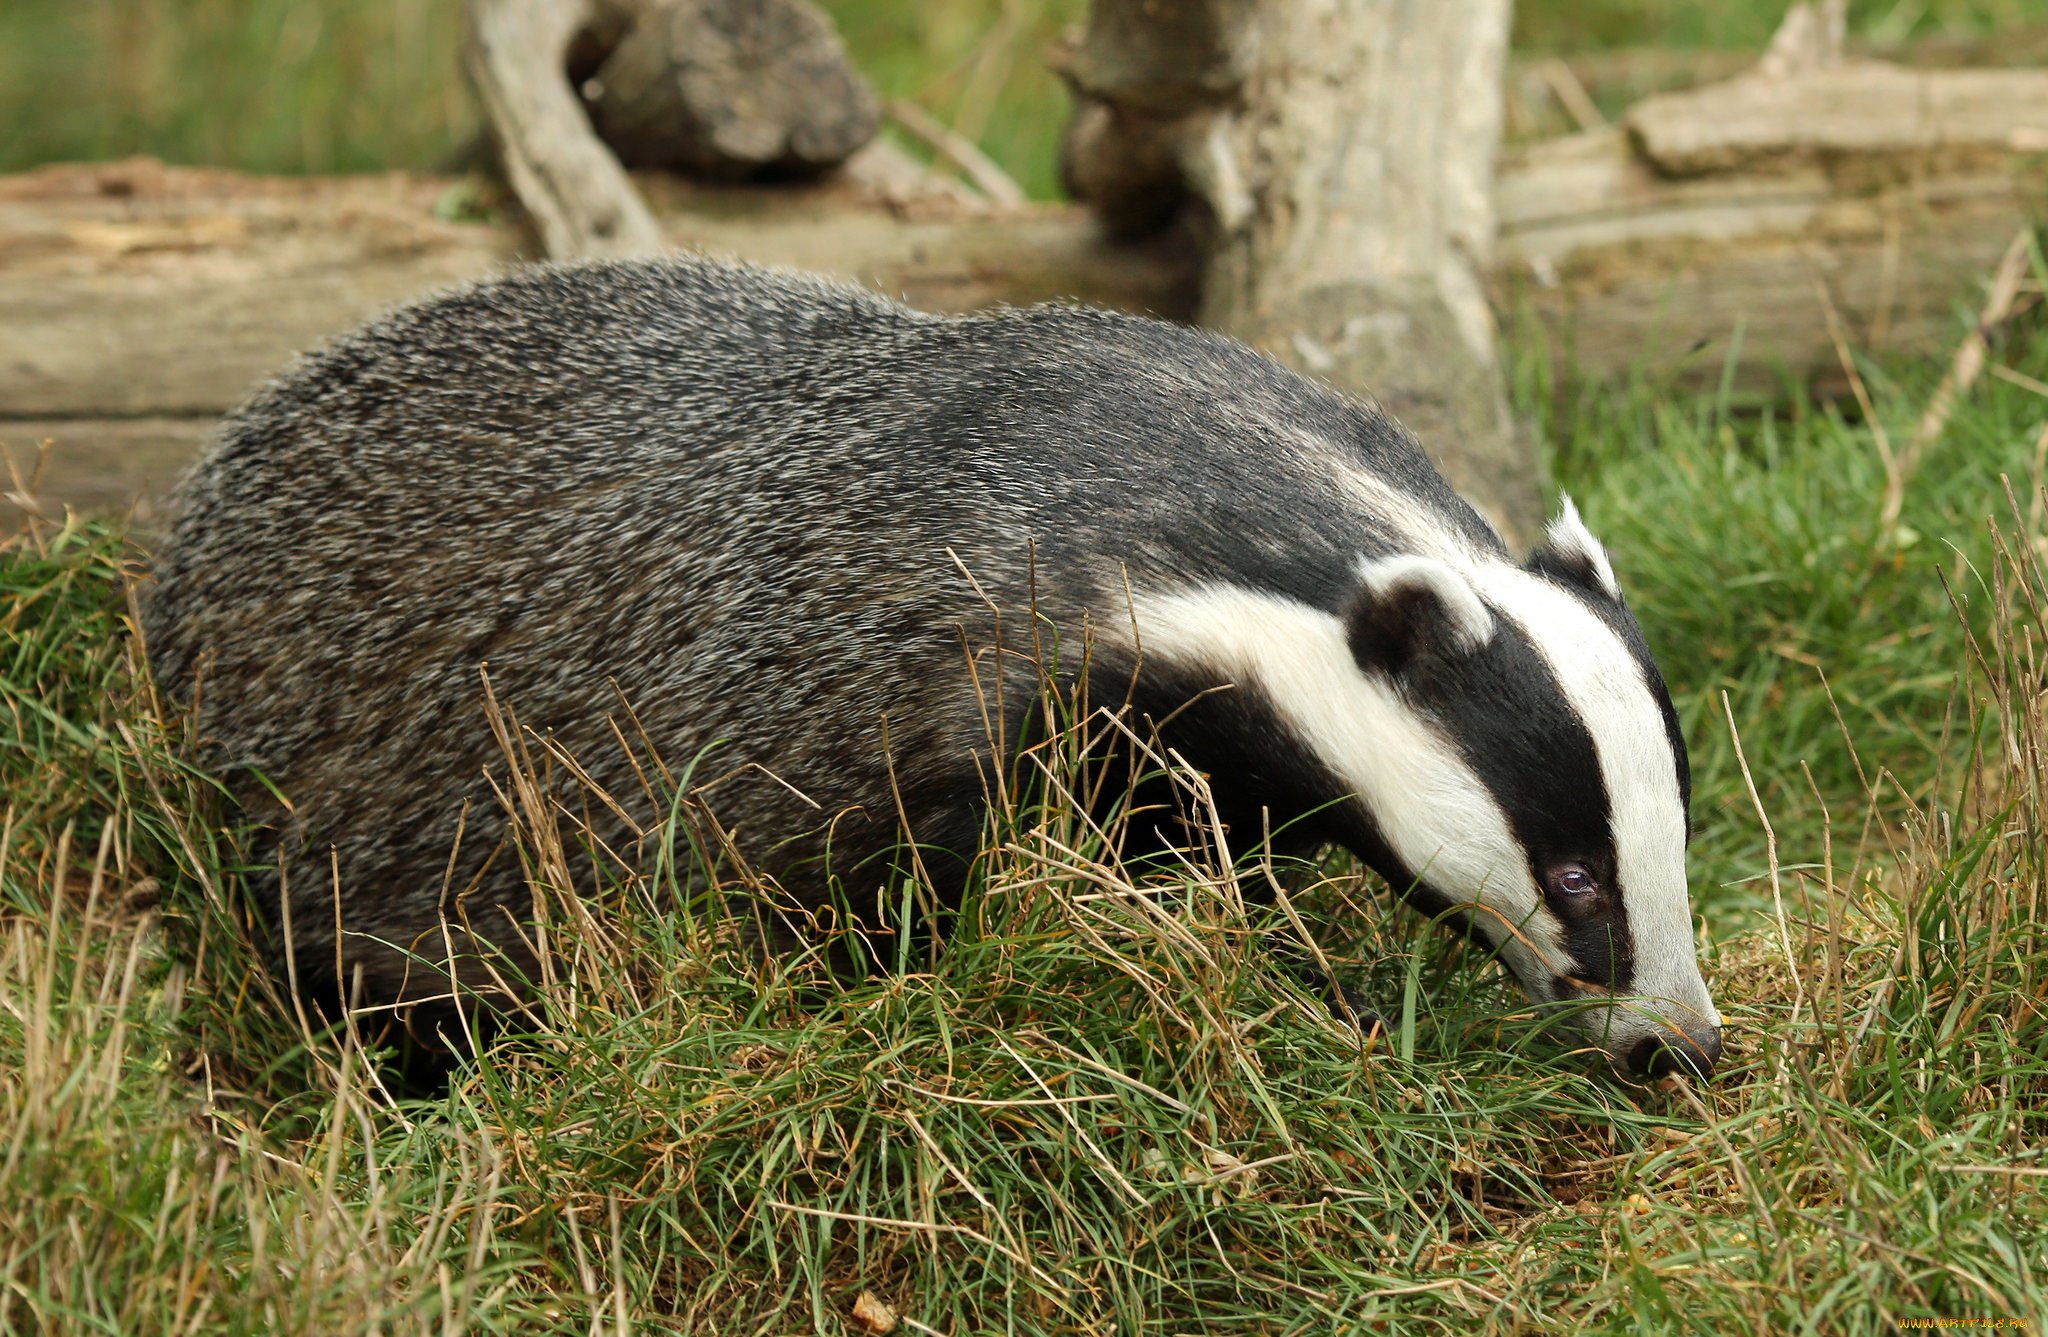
[1471,623]
[1569,536]
[1434,811]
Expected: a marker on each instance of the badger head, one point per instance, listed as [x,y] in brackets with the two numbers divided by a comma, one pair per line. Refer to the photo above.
[1512,761]
[1541,795]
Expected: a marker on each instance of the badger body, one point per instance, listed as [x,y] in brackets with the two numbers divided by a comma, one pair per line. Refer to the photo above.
[776,516]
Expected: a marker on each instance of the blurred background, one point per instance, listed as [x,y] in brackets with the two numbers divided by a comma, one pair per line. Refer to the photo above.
[357,85]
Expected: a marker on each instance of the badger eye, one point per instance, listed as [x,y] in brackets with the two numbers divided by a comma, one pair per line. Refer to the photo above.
[1569,882]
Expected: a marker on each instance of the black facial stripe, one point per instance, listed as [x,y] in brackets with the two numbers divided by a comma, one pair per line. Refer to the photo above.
[1505,712]
[1619,620]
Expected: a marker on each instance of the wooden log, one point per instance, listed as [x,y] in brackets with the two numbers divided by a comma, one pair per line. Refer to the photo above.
[139,289]
[135,289]
[1619,77]
[121,466]
[1877,114]
[1699,238]
[139,302]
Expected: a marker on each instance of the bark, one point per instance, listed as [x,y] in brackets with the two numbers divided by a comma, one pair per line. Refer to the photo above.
[1343,160]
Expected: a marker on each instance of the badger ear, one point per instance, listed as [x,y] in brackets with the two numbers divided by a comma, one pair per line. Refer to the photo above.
[1410,608]
[1570,553]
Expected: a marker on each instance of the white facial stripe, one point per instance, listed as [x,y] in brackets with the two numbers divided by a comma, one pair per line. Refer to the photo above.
[1570,537]
[1605,685]
[1435,813]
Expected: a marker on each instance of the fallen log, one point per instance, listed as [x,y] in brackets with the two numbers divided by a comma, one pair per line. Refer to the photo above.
[1699,236]
[135,288]
[102,466]
[1620,76]
[138,302]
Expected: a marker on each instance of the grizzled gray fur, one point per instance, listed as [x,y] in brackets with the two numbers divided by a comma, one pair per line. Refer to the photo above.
[746,499]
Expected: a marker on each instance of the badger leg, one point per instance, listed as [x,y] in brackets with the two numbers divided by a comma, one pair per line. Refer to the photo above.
[1344,1002]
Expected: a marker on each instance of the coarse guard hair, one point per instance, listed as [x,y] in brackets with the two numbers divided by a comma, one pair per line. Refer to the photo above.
[763,509]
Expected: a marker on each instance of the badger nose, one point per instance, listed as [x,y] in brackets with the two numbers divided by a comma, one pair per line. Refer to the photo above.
[1673,1051]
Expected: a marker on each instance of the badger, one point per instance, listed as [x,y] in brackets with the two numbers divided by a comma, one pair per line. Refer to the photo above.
[765,510]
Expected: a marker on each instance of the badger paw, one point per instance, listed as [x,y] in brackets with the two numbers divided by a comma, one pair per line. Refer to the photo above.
[1350,1005]
[1344,1002]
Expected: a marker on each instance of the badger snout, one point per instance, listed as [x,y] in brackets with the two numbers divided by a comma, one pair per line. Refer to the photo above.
[1647,1038]
[1694,1052]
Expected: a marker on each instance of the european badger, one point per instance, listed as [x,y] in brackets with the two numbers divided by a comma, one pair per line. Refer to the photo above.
[752,500]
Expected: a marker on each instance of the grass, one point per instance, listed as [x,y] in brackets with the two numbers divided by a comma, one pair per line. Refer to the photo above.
[1093,1111]
[266,85]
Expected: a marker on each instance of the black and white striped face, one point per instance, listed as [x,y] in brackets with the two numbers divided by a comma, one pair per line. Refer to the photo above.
[1515,759]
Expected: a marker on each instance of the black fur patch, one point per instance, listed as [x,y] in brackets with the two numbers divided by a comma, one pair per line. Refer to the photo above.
[1262,779]
[1615,614]
[1567,567]
[1266,784]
